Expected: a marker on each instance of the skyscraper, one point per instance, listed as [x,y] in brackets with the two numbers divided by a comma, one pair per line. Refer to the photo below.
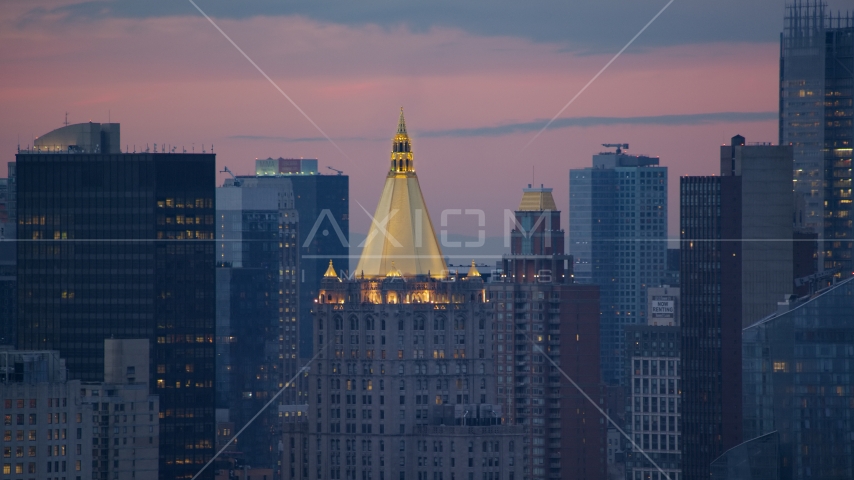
[617,237]
[816,74]
[257,298]
[540,316]
[654,407]
[795,383]
[734,269]
[8,255]
[403,388]
[121,245]
[323,205]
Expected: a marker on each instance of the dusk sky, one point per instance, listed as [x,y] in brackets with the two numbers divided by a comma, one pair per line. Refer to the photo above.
[477,80]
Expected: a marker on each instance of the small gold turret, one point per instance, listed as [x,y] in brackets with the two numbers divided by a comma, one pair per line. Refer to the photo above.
[473,272]
[401,150]
[330,272]
[393,271]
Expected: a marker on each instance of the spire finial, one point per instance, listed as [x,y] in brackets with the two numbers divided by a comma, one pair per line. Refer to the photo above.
[401,123]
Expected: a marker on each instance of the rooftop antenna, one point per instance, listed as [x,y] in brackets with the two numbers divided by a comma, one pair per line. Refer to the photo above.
[66,119]
[335,169]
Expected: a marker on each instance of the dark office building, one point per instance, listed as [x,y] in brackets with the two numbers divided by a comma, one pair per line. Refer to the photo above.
[8,253]
[539,314]
[116,245]
[8,296]
[711,324]
[727,284]
[257,330]
[323,203]
[816,77]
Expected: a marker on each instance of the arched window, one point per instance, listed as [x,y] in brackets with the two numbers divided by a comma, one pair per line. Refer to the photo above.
[339,323]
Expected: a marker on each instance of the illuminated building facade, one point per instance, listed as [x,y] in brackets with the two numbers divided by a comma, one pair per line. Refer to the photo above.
[121,245]
[403,387]
[816,118]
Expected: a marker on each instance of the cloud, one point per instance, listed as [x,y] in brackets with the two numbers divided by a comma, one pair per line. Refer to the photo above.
[586,25]
[660,120]
[277,138]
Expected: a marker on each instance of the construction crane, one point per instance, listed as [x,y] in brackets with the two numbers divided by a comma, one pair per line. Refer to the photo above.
[336,170]
[618,146]
[236,181]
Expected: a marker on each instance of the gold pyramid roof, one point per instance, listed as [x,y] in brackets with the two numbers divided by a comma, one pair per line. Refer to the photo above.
[330,271]
[401,239]
[537,199]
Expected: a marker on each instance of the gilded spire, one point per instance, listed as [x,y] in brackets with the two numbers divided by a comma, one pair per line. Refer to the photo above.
[401,241]
[401,150]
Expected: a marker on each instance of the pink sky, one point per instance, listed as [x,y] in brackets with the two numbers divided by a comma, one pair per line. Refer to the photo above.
[176,80]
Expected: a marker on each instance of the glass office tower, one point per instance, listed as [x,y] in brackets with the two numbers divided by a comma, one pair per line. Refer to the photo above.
[617,237]
[816,78]
[120,245]
[798,381]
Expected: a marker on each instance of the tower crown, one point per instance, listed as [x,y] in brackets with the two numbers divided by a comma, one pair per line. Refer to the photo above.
[401,241]
[401,150]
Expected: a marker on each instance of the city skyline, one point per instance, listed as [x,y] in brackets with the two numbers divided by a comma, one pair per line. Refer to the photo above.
[348,73]
[620,323]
